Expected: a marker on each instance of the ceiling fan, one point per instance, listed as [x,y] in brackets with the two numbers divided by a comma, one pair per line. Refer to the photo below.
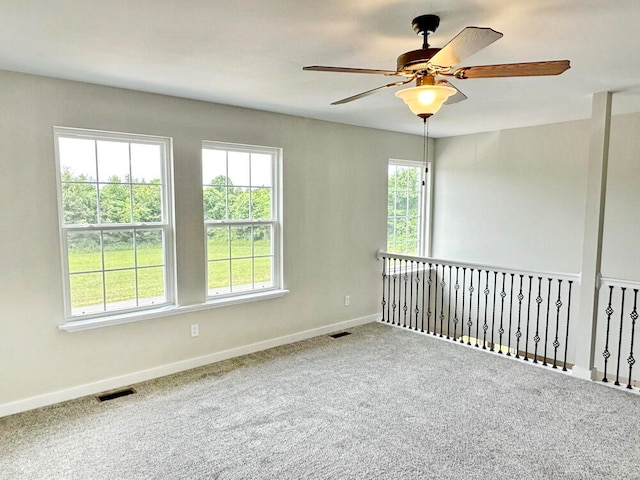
[430,68]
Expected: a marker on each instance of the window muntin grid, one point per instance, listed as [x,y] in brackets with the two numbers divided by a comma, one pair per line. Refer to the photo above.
[115,219]
[405,207]
[240,195]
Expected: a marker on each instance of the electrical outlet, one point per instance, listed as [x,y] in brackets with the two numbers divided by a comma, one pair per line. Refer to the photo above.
[347,300]
[194,330]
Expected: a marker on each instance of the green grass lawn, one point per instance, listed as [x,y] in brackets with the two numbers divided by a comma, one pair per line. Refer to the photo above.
[86,280]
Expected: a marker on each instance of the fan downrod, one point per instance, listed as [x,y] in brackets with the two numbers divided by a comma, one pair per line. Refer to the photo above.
[425,25]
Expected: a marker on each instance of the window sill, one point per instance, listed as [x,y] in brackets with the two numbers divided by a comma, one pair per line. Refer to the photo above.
[91,323]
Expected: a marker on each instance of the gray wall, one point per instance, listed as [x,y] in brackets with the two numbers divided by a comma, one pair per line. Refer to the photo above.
[516,198]
[334,204]
[513,198]
[621,244]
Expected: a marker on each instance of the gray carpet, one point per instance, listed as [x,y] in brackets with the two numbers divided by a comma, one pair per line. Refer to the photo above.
[382,403]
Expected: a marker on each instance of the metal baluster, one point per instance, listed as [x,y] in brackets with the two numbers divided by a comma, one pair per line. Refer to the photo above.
[464,282]
[400,278]
[405,307]
[424,265]
[417,302]
[518,332]
[606,354]
[442,284]
[503,294]
[493,315]
[411,295]
[478,307]
[470,323]
[429,301]
[388,290]
[556,343]
[634,317]
[566,337]
[510,316]
[402,290]
[394,305]
[455,312]
[526,335]
[546,328]
[449,304]
[536,339]
[384,276]
[435,301]
[617,382]
[485,326]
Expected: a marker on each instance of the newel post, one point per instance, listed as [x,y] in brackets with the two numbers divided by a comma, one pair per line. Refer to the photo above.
[592,238]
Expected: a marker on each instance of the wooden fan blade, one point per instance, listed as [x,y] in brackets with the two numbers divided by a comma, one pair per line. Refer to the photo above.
[369,92]
[466,43]
[456,97]
[530,69]
[320,68]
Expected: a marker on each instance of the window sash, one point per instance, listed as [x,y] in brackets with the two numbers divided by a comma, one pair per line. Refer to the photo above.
[422,215]
[273,222]
[274,153]
[261,264]
[111,264]
[165,225]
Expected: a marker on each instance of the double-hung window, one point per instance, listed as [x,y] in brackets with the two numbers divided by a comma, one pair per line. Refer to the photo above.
[407,207]
[241,217]
[115,221]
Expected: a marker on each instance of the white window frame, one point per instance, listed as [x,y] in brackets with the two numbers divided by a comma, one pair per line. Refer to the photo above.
[275,222]
[424,203]
[114,316]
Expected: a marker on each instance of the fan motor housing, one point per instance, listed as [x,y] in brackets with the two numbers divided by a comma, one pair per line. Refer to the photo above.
[425,24]
[416,60]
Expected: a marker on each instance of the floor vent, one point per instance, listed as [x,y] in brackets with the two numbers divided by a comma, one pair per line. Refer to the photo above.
[341,334]
[120,393]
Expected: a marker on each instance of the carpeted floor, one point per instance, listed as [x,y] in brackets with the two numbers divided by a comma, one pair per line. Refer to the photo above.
[381,403]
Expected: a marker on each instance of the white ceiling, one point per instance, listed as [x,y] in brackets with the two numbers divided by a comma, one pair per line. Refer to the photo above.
[250,53]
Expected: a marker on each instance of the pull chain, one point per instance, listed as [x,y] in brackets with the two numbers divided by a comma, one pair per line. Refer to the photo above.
[425,148]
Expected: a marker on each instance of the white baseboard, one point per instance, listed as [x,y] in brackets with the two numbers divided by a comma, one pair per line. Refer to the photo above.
[163,370]
[580,372]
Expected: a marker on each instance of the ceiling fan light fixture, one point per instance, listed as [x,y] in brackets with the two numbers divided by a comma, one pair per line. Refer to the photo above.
[425,100]
[427,64]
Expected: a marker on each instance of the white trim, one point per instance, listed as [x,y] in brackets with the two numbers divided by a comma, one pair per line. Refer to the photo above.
[580,372]
[425,201]
[564,276]
[167,311]
[276,154]
[168,369]
[512,358]
[618,282]
[239,147]
[167,225]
